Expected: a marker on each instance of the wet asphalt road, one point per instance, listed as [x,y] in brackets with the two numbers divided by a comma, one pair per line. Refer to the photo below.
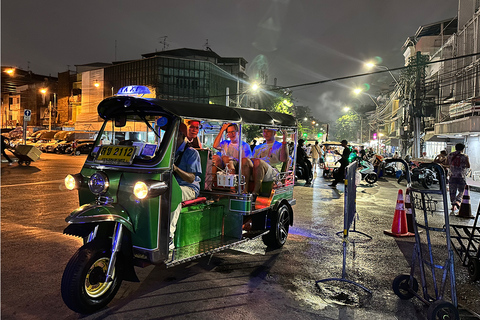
[248,283]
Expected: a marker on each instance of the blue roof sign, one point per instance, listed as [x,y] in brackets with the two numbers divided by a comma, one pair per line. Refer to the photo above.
[136,91]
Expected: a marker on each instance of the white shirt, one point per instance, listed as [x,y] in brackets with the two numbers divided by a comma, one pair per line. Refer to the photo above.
[270,153]
[231,149]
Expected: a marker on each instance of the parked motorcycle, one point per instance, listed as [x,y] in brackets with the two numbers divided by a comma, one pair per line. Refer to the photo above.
[421,174]
[390,169]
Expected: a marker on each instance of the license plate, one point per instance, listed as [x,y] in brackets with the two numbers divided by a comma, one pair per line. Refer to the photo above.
[421,176]
[116,154]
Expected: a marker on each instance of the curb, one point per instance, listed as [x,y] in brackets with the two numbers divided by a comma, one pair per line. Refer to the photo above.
[474,188]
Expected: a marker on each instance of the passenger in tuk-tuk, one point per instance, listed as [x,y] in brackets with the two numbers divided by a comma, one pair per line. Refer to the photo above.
[265,156]
[230,152]
[187,170]
[193,126]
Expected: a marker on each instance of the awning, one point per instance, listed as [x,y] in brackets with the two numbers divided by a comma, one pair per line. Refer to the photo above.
[432,137]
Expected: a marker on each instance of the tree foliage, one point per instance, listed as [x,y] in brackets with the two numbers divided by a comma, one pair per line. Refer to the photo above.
[347,127]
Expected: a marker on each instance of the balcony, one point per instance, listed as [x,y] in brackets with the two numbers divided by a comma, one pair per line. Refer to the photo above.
[463,125]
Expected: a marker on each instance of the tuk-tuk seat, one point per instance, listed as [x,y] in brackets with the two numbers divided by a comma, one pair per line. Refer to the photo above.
[194,201]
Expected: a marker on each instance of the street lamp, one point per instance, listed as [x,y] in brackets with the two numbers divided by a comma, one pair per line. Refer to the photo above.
[371,65]
[254,87]
[96,84]
[357,91]
[44,92]
[10,71]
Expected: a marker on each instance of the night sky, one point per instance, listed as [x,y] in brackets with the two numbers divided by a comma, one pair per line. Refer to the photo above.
[299,41]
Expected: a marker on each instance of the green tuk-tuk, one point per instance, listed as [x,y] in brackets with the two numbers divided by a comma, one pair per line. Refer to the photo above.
[127,191]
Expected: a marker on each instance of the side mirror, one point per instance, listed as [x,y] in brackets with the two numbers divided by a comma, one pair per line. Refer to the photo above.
[120,121]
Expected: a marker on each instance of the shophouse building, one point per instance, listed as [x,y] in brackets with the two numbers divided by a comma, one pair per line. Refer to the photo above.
[443,108]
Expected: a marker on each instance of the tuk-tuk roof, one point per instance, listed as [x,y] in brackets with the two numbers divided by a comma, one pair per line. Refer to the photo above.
[129,105]
[328,143]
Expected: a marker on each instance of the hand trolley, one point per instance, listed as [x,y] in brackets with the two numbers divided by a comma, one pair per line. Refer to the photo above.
[406,286]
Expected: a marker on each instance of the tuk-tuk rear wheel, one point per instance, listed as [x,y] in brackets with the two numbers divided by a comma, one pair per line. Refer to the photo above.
[280,223]
[83,287]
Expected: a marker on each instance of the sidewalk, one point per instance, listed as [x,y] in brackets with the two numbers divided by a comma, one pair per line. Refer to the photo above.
[474,185]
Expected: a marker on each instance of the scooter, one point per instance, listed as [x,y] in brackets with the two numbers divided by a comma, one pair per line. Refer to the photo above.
[302,172]
[367,171]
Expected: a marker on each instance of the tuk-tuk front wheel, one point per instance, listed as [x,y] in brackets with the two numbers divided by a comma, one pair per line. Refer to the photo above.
[280,223]
[84,289]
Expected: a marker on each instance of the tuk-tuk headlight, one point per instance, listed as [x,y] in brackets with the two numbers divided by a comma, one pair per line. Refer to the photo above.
[98,183]
[140,190]
[149,189]
[74,181]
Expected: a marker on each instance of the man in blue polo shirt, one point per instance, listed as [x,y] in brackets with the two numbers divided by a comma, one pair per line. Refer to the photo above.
[187,170]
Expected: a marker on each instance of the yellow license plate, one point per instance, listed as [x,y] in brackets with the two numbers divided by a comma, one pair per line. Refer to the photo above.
[115,154]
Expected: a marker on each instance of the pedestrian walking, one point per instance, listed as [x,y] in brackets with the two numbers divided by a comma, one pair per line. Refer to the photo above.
[458,163]
[316,154]
[5,142]
[339,175]
[74,147]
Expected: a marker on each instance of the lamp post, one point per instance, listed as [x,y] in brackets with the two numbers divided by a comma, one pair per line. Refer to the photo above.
[357,91]
[371,65]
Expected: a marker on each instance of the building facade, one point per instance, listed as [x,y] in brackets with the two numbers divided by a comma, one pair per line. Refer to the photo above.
[25,90]
[199,76]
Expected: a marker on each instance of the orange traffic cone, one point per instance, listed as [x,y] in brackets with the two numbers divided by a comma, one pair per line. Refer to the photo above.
[465,210]
[399,225]
[408,210]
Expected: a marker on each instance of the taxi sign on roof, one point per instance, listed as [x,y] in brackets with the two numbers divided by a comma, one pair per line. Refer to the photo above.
[136,91]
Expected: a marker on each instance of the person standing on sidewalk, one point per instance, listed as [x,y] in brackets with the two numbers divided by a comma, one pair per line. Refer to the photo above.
[340,174]
[458,164]
[5,141]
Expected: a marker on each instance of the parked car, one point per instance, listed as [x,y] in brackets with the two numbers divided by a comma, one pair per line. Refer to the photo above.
[50,146]
[32,139]
[44,138]
[70,137]
[83,147]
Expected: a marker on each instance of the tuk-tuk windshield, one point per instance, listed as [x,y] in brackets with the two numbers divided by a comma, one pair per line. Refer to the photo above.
[133,140]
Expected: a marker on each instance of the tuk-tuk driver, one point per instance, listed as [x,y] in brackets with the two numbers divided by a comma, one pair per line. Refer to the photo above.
[266,155]
[230,150]
[193,127]
[187,170]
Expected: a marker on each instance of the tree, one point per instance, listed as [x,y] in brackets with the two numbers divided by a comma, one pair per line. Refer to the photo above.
[347,127]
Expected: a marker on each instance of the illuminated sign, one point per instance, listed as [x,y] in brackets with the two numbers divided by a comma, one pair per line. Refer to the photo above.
[136,91]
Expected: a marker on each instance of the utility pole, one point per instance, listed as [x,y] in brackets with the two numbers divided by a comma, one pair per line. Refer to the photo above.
[418,106]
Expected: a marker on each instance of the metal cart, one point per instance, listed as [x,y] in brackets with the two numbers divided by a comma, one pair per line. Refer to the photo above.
[26,154]
[466,241]
[405,286]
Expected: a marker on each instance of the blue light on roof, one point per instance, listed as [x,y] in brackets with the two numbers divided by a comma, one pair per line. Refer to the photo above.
[133,91]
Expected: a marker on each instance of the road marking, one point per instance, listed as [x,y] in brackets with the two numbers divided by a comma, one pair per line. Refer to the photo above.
[31,183]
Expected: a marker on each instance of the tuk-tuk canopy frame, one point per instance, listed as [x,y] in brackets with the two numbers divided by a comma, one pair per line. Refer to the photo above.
[125,105]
